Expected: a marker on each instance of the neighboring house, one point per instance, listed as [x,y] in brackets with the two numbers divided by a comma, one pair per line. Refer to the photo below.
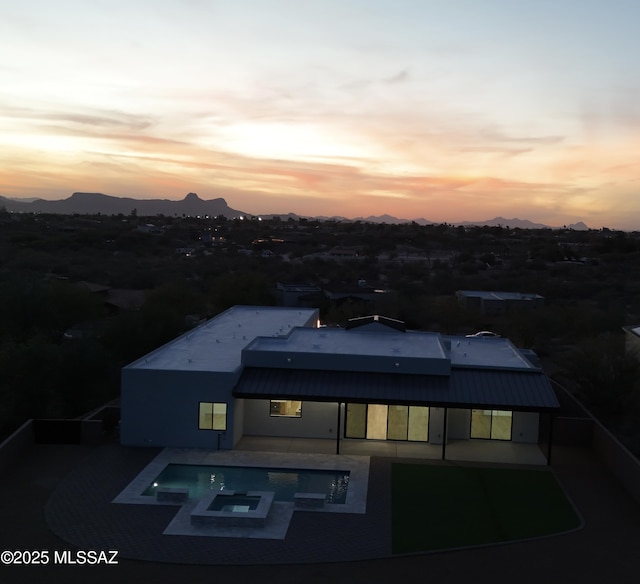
[494,303]
[267,371]
[116,300]
[298,294]
[338,293]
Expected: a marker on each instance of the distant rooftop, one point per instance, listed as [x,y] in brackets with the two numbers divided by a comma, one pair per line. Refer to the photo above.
[491,295]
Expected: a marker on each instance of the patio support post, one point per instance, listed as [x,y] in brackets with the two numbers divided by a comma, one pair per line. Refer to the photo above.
[444,434]
[550,438]
[338,432]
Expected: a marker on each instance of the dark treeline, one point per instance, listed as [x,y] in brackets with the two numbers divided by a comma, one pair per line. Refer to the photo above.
[66,330]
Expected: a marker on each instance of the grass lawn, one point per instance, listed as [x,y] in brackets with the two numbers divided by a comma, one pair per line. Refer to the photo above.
[436,507]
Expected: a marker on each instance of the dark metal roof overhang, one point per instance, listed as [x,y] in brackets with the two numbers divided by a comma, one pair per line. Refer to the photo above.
[463,388]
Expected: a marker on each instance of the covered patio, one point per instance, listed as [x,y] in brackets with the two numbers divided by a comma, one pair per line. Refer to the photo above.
[480,451]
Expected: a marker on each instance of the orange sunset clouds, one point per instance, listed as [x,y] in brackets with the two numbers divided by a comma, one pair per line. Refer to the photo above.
[449,111]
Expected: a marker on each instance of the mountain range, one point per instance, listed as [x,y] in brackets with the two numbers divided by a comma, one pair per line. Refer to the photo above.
[192,204]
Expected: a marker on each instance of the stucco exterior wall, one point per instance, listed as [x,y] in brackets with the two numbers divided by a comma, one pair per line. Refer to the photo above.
[525,427]
[319,420]
[160,407]
[238,421]
[436,425]
[459,424]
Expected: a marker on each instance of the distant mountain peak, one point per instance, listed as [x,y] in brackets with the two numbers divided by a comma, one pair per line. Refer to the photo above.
[193,205]
[82,195]
[90,203]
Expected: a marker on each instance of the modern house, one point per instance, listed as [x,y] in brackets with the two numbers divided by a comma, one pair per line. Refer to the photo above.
[495,303]
[272,371]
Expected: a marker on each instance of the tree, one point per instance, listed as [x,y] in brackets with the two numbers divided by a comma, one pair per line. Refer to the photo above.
[241,288]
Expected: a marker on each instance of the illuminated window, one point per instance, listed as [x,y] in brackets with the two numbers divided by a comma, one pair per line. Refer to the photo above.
[356,423]
[213,416]
[285,408]
[418,424]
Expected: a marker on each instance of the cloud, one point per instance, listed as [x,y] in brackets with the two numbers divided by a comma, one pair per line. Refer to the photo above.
[398,77]
[493,134]
[91,117]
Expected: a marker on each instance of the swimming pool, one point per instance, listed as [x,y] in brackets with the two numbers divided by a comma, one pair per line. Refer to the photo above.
[284,482]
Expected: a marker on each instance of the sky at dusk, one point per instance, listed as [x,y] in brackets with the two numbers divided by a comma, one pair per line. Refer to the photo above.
[449,110]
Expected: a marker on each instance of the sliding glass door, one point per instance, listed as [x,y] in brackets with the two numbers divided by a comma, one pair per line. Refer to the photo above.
[387,422]
[491,424]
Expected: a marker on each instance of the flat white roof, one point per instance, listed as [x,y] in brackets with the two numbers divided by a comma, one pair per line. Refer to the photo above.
[356,342]
[486,352]
[217,344]
[481,352]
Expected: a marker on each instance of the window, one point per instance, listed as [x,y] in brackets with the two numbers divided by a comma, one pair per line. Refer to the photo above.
[418,424]
[377,421]
[285,408]
[397,422]
[356,422]
[213,416]
[491,424]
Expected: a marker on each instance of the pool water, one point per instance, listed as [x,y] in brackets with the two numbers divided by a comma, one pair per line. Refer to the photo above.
[284,482]
[234,503]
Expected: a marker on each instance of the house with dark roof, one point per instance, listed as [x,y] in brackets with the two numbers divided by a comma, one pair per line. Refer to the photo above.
[273,371]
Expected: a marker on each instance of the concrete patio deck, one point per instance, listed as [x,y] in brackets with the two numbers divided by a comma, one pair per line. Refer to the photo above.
[491,451]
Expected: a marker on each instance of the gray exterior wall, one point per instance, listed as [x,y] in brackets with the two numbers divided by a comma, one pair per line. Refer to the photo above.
[525,427]
[436,425]
[160,407]
[459,424]
[15,446]
[336,362]
[238,420]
